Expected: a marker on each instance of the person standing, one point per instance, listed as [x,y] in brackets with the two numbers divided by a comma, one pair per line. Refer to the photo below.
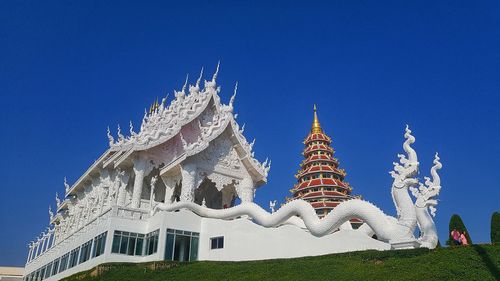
[463,239]
[456,236]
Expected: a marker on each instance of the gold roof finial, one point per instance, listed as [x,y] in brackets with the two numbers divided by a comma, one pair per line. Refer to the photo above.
[316,127]
[154,106]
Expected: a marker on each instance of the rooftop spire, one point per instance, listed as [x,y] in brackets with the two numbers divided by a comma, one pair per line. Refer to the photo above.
[316,127]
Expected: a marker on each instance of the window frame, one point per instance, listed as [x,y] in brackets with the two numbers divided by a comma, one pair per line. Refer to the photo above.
[216,242]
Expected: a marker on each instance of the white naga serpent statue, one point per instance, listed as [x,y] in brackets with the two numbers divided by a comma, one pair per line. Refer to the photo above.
[388,229]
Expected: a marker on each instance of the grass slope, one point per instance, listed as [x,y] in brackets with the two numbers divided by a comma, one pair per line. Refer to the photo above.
[477,262]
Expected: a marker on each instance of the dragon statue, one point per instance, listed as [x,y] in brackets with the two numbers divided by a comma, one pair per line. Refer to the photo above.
[387,228]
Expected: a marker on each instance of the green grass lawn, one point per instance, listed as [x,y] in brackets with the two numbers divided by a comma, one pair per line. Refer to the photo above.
[477,262]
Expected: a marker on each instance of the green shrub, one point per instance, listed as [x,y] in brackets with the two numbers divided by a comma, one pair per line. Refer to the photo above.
[478,262]
[495,228]
[457,223]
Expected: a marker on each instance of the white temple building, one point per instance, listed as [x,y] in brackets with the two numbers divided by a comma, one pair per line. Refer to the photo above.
[169,192]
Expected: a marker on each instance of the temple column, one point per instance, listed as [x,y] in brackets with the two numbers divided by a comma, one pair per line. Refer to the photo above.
[80,218]
[245,190]
[122,193]
[152,192]
[142,167]
[57,229]
[54,237]
[170,183]
[188,172]
[115,187]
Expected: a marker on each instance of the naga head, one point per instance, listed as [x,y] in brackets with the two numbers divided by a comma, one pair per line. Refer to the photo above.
[407,168]
[426,192]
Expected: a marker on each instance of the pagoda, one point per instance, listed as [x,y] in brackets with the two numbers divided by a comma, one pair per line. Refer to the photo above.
[320,180]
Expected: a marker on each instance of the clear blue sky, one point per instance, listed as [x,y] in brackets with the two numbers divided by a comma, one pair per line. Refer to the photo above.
[68,69]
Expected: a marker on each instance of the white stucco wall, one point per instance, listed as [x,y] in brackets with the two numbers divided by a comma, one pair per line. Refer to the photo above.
[243,240]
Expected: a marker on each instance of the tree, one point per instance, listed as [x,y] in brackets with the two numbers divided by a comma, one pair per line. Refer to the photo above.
[495,228]
[457,223]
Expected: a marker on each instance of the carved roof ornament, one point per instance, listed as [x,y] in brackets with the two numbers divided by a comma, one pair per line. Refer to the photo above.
[185,84]
[199,79]
[58,201]
[110,138]
[51,214]
[66,185]
[132,133]
[216,72]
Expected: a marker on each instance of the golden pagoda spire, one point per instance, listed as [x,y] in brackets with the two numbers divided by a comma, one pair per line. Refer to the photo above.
[316,127]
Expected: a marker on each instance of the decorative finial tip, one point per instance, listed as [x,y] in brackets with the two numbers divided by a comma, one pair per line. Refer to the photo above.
[185,83]
[316,127]
[199,78]
[216,72]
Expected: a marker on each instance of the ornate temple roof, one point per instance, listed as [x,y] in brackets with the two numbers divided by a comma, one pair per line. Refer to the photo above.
[166,122]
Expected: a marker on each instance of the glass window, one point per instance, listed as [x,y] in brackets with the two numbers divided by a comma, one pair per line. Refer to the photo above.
[124,242]
[85,252]
[193,255]
[135,244]
[139,245]
[180,245]
[169,251]
[152,242]
[217,242]
[73,258]
[64,262]
[48,270]
[116,242]
[131,245]
[99,244]
[41,276]
[55,267]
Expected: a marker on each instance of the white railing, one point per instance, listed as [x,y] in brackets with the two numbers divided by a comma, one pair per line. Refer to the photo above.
[131,213]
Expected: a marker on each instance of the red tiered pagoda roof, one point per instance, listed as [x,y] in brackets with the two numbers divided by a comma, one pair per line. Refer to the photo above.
[320,180]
